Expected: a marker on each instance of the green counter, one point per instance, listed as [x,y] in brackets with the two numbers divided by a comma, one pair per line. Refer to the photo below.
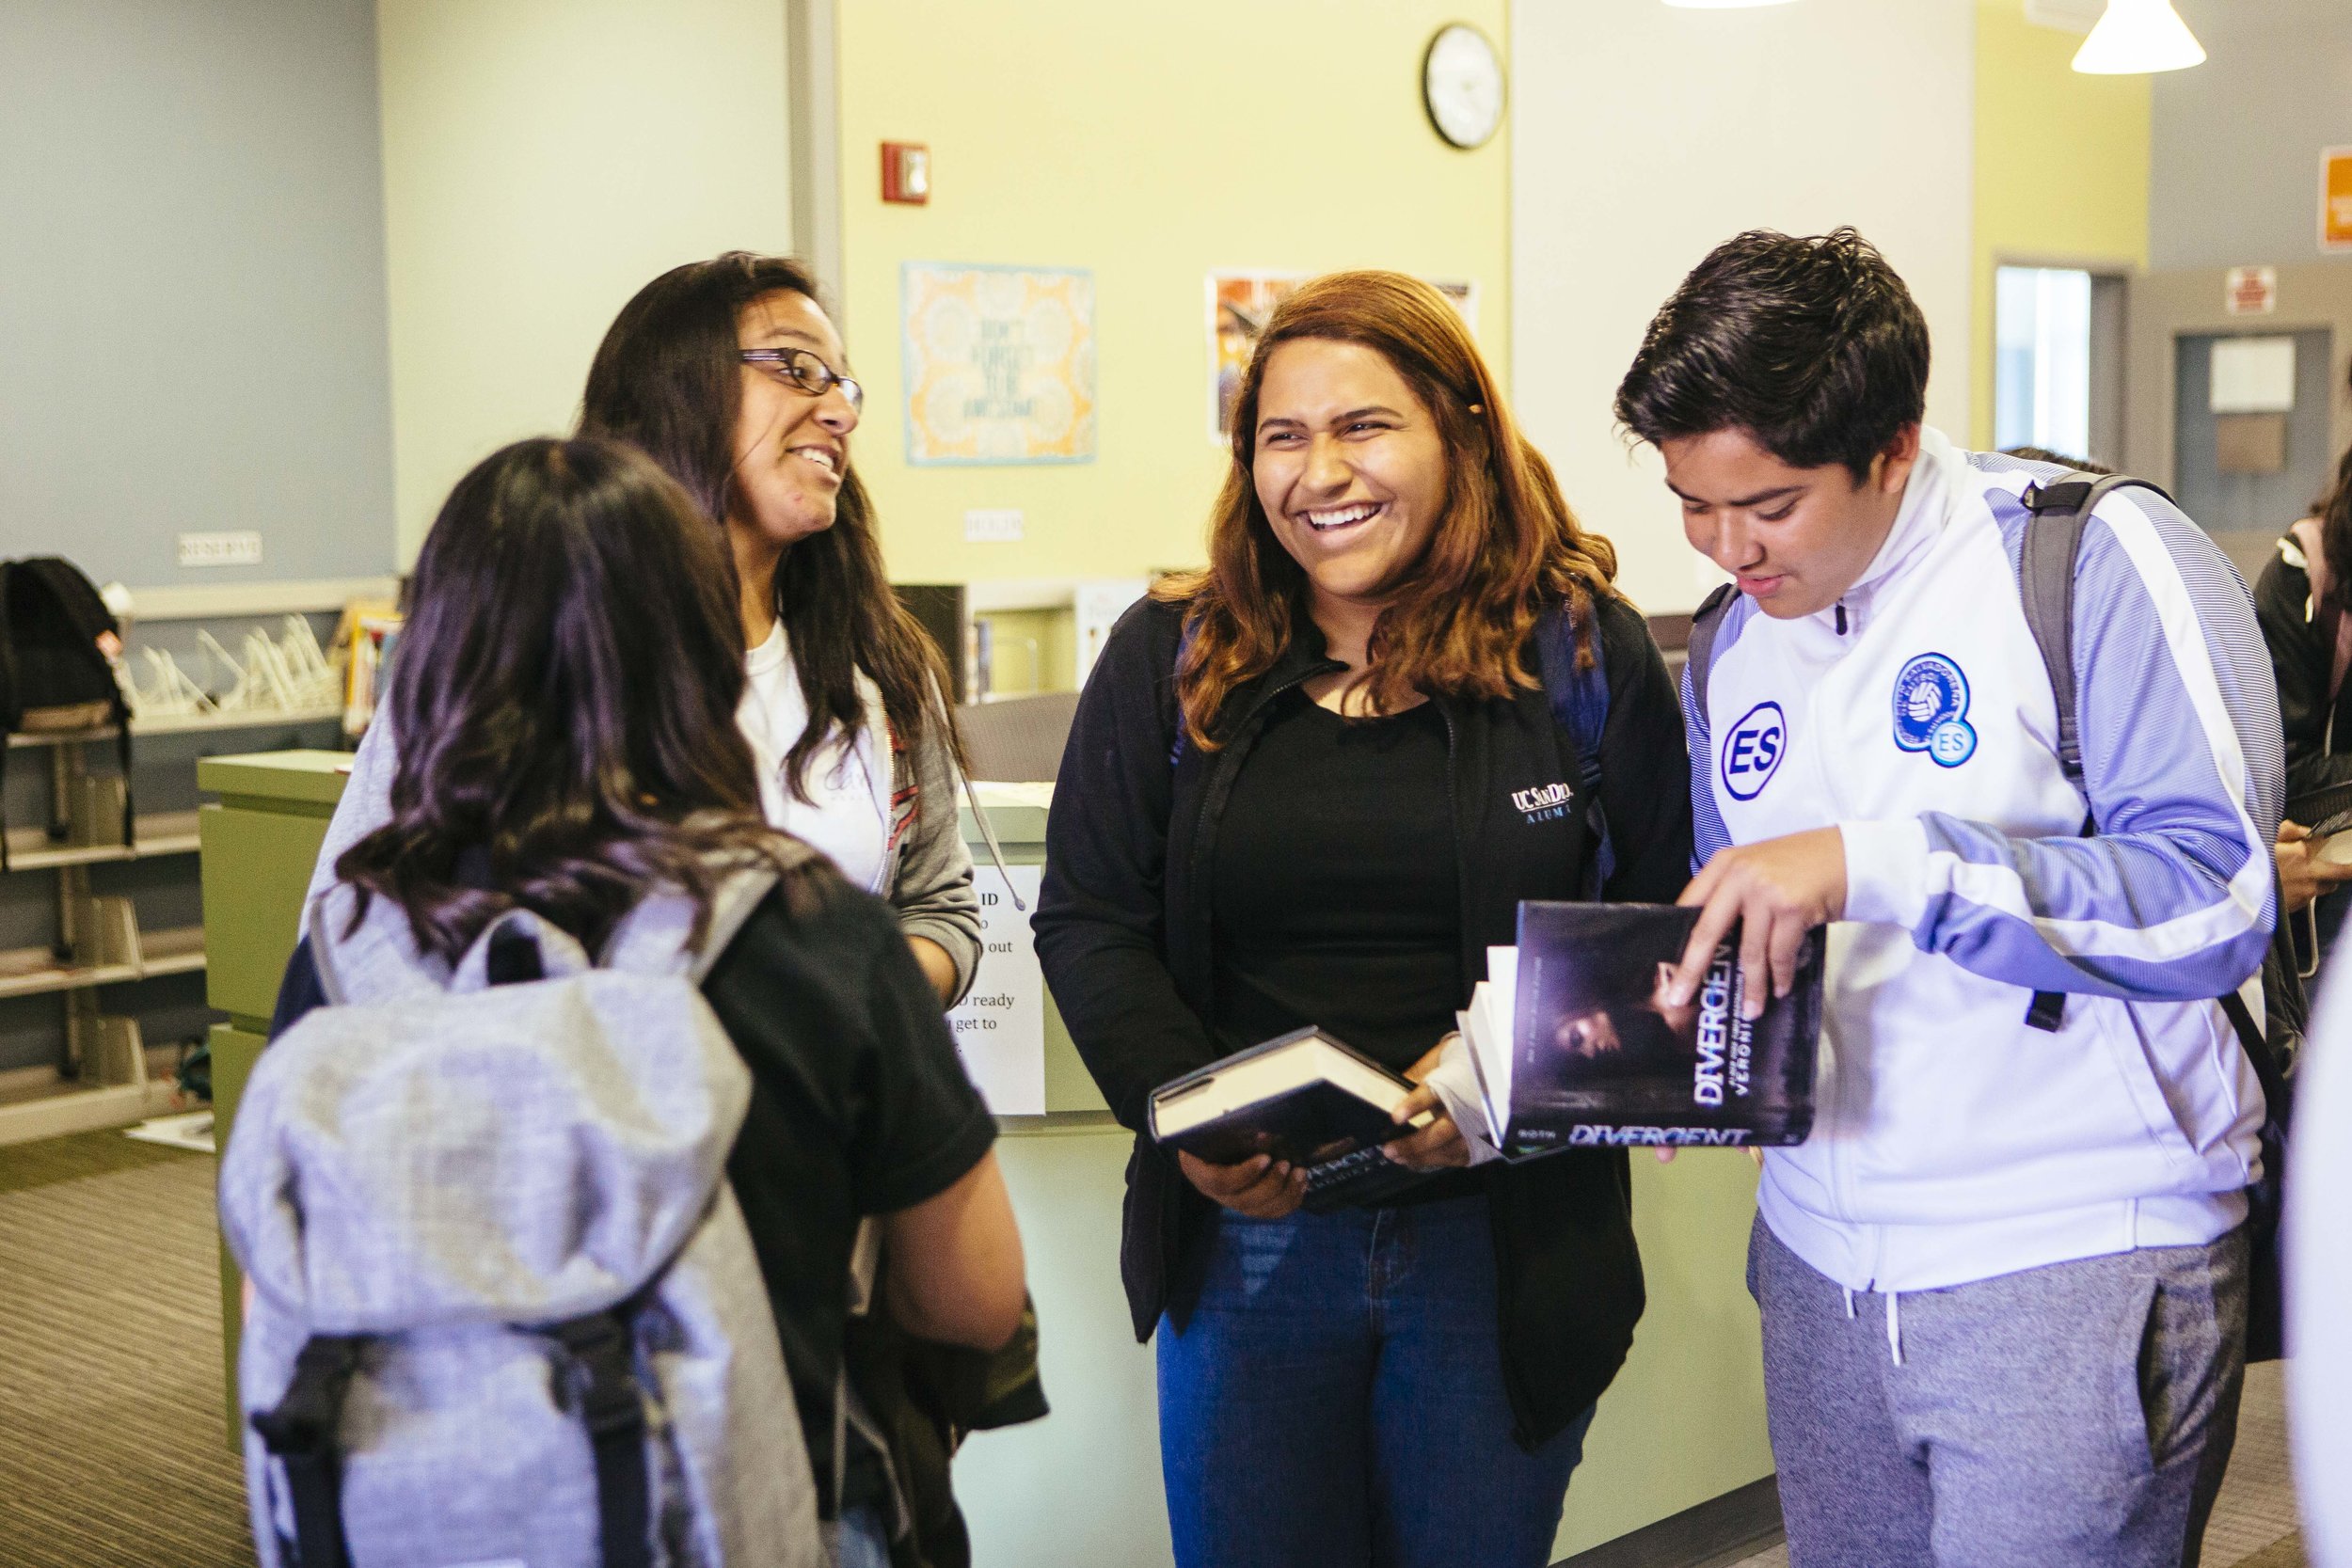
[1683,1423]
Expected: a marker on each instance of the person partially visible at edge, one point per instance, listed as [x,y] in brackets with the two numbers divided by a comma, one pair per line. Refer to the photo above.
[731,375]
[2004,1284]
[2304,877]
[2302,599]
[1289,799]
[573,659]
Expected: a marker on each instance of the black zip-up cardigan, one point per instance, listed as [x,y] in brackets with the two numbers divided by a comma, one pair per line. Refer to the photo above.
[1123,928]
[2303,659]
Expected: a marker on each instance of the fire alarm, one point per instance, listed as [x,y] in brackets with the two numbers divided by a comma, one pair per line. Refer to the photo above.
[906,172]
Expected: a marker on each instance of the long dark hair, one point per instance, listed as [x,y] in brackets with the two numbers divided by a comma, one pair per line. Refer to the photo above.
[564,697]
[2334,511]
[1507,547]
[666,378]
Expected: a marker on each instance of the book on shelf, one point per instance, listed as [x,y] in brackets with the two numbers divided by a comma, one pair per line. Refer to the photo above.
[1577,1044]
[1305,1098]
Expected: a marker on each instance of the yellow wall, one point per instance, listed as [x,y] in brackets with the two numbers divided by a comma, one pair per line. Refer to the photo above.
[1151,145]
[2061,169]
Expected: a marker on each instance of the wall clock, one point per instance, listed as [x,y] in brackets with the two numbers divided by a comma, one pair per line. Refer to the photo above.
[1461,84]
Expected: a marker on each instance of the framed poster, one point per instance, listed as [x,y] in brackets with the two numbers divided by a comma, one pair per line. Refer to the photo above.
[2335,198]
[999,363]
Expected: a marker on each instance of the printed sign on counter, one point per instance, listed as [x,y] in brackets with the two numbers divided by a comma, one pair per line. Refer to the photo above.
[1000,1028]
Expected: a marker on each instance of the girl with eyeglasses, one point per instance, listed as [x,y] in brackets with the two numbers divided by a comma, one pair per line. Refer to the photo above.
[729,374]
[732,378]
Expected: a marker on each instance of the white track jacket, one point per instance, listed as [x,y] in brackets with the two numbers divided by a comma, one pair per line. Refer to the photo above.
[1952,1142]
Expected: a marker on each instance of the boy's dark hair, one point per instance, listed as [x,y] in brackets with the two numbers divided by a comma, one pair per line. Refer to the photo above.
[1812,346]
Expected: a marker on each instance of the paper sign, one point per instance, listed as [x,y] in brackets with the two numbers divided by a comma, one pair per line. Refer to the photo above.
[2250,290]
[2335,198]
[2253,375]
[1000,1028]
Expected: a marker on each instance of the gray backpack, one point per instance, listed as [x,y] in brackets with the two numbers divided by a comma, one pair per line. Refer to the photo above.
[506,1311]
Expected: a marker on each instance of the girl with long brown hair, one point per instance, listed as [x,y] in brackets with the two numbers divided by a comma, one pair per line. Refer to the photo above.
[1310,785]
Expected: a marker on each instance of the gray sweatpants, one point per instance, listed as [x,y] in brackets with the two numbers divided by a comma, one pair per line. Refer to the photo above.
[2078,1415]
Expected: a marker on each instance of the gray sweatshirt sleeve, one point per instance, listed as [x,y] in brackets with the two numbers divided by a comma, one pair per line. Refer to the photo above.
[366,804]
[932,884]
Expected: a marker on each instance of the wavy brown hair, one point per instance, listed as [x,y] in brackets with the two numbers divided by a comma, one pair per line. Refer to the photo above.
[666,378]
[564,696]
[1506,549]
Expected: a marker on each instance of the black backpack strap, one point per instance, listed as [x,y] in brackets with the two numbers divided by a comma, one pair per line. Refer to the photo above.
[2045,584]
[605,1389]
[301,1434]
[1699,652]
[1579,700]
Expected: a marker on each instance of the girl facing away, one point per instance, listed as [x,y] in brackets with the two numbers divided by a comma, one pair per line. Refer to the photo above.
[567,700]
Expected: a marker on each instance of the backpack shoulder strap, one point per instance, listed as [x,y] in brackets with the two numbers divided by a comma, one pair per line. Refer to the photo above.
[2046,582]
[2046,585]
[652,939]
[1699,653]
[1578,698]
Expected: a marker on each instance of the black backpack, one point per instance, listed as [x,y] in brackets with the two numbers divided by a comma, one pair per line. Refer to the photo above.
[2046,573]
[57,639]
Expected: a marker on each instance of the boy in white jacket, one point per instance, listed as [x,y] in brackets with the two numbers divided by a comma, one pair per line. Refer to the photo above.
[2003,1285]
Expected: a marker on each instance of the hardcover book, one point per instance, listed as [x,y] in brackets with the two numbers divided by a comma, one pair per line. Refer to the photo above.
[1305,1098]
[1577,1044]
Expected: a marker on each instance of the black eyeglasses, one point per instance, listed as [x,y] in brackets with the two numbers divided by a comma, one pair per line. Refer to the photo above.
[805,372]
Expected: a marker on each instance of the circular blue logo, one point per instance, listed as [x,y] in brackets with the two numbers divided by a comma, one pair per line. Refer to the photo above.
[1931,710]
[1951,743]
[1752,751]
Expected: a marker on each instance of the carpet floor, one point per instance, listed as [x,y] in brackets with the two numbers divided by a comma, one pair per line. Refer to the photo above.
[112,1452]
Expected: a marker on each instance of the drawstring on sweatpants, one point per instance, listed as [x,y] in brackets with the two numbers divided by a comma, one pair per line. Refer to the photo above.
[1894,1320]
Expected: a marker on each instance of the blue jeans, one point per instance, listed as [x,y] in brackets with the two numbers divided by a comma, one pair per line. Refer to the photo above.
[864,1541]
[1335,1397]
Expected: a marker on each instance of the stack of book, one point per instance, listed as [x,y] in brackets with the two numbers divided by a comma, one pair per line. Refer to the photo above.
[1576,1042]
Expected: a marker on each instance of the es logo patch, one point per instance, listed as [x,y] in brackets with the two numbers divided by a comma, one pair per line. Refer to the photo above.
[1752,751]
[1931,710]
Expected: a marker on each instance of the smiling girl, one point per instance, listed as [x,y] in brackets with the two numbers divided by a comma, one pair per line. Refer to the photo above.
[1288,800]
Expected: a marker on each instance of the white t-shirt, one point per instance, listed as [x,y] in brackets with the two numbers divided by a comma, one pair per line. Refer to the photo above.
[846,813]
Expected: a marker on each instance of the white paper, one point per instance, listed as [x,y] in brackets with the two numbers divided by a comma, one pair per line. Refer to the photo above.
[2253,375]
[1000,1028]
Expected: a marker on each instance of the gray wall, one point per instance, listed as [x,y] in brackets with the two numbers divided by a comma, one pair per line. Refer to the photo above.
[192,292]
[2235,155]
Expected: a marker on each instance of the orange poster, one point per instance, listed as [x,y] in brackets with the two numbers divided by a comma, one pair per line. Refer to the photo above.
[2335,198]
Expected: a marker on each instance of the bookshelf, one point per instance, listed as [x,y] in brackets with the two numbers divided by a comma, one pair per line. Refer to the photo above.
[98,949]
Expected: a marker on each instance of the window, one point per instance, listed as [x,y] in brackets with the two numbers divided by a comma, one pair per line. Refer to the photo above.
[2042,359]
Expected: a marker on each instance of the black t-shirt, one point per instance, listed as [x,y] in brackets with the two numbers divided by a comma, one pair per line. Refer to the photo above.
[859,1106]
[1336,895]
[1336,892]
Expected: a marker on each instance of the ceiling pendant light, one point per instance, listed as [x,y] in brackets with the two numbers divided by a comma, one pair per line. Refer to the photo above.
[2136,37]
